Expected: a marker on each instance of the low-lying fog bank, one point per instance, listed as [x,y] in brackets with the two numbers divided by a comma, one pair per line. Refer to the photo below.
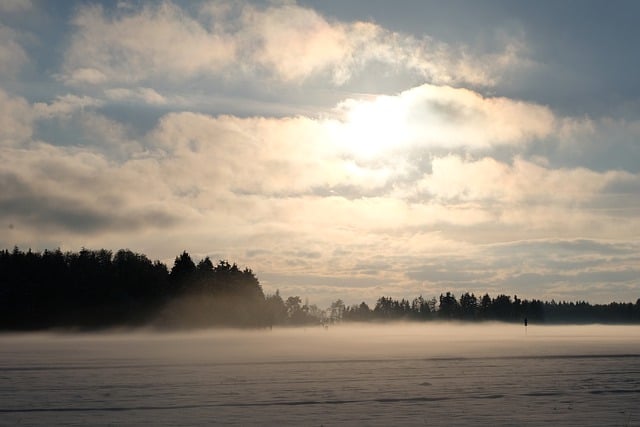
[340,342]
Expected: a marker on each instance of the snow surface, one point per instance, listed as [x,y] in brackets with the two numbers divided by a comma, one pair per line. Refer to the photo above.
[401,374]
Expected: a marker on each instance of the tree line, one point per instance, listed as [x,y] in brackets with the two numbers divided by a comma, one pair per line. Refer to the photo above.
[501,308]
[93,289]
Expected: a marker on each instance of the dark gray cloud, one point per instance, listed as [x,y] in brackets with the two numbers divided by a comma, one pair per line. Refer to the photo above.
[78,216]
[555,248]
[600,285]
[303,254]
[24,204]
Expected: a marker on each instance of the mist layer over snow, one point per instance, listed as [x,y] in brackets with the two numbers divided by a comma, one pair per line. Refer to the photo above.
[400,374]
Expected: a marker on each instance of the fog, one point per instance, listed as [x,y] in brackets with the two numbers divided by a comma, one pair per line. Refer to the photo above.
[339,342]
[373,374]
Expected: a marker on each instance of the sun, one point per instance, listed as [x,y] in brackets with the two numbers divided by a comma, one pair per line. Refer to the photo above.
[373,128]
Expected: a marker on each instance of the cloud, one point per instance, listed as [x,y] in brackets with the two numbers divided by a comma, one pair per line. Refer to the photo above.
[602,143]
[85,75]
[295,42]
[599,283]
[73,190]
[280,167]
[521,182]
[540,268]
[285,42]
[64,106]
[12,55]
[144,94]
[127,47]
[271,173]
[16,119]
[350,156]
[393,194]
[107,136]
[13,6]
[281,157]
[442,116]
[76,122]
[460,277]
[351,166]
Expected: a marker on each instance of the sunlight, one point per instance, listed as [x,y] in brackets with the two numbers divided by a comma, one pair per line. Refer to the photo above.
[373,128]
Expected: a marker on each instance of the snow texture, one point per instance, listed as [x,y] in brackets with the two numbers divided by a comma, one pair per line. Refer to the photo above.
[404,374]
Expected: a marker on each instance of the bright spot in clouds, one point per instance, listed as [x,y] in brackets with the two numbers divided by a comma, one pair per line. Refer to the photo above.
[374,127]
[430,116]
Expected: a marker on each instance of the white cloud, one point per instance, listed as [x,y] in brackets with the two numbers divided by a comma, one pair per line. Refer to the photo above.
[127,47]
[256,155]
[272,173]
[438,117]
[486,179]
[294,42]
[287,42]
[265,172]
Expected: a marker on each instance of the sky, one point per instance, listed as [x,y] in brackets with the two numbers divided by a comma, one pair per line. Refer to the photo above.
[346,150]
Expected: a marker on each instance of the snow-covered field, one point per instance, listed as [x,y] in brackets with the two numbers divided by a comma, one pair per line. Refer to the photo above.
[402,374]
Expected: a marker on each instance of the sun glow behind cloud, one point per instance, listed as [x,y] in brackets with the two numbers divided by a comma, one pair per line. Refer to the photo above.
[442,117]
[373,128]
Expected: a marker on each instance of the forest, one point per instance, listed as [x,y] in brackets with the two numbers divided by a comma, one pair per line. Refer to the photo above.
[95,289]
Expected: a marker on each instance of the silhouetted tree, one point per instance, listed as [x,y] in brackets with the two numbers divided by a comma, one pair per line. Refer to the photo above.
[358,313]
[384,308]
[468,306]
[422,309]
[275,309]
[337,311]
[533,310]
[449,307]
[183,271]
[485,307]
[93,289]
[294,309]
[501,307]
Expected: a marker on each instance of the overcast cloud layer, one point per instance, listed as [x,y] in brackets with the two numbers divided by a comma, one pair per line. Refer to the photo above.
[340,152]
